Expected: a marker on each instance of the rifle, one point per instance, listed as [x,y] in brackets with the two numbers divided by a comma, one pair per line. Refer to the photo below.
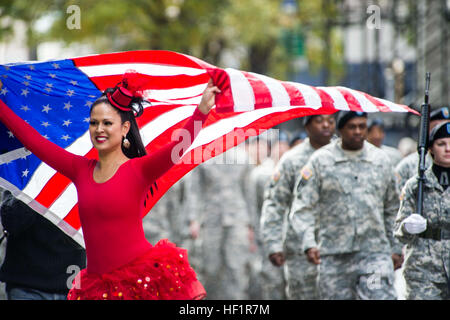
[423,143]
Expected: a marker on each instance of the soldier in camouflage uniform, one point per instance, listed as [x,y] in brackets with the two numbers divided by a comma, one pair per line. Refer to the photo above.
[268,278]
[264,283]
[427,260]
[408,167]
[376,136]
[281,241]
[221,220]
[344,208]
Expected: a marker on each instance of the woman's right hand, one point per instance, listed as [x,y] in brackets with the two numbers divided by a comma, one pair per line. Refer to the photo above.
[208,98]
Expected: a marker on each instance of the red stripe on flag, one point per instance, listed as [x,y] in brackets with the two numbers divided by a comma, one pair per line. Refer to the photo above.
[381,106]
[294,93]
[154,82]
[263,97]
[73,218]
[57,185]
[352,102]
[327,100]
[153,57]
[150,113]
[52,189]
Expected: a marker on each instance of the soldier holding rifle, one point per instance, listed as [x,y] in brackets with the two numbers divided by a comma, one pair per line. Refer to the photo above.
[423,220]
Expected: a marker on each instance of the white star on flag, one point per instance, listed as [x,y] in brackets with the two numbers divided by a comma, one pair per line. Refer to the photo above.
[67,106]
[25,173]
[25,92]
[46,108]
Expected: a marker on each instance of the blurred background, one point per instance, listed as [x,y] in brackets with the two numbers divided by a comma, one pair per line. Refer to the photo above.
[380,47]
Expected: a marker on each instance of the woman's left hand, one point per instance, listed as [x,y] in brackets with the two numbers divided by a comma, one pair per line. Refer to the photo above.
[208,98]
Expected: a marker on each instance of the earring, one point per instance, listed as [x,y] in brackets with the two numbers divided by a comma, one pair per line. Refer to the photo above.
[126,143]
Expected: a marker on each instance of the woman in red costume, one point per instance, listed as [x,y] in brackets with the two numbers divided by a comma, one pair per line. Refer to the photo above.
[121,263]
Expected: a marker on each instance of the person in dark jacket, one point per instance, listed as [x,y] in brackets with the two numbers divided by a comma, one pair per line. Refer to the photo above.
[41,260]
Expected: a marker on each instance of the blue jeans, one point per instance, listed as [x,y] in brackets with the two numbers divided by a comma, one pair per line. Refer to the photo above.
[21,293]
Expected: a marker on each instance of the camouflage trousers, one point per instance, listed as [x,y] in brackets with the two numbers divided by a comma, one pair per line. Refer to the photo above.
[420,289]
[301,277]
[224,262]
[266,280]
[273,285]
[358,275]
[427,270]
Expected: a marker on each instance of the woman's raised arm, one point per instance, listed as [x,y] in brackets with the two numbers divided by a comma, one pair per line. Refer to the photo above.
[152,166]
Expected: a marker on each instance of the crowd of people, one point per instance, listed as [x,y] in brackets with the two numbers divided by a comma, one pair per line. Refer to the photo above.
[327,213]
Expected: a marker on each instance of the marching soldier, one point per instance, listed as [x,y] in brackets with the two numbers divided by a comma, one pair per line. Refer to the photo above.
[376,136]
[427,260]
[220,218]
[344,208]
[269,278]
[280,241]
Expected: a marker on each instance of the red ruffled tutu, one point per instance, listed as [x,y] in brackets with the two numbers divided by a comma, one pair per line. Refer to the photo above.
[162,273]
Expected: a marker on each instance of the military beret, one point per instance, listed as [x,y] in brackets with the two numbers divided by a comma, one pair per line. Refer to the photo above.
[442,130]
[440,114]
[345,116]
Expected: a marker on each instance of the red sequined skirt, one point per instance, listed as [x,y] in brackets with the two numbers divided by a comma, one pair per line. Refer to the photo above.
[162,273]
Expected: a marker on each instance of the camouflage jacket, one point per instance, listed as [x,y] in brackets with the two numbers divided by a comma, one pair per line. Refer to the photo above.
[394,155]
[216,191]
[277,236]
[407,168]
[258,179]
[346,203]
[436,210]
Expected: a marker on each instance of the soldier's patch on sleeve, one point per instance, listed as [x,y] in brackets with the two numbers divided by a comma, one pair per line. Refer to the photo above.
[402,195]
[306,173]
[276,175]
[398,177]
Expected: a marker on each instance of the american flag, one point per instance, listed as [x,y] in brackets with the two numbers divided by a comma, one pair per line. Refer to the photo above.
[55,98]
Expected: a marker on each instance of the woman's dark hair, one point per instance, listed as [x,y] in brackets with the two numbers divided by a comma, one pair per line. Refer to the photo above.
[136,148]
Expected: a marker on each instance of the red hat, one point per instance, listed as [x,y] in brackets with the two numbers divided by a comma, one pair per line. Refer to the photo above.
[132,85]
[121,98]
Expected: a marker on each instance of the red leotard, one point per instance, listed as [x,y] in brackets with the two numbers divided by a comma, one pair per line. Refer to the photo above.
[110,212]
